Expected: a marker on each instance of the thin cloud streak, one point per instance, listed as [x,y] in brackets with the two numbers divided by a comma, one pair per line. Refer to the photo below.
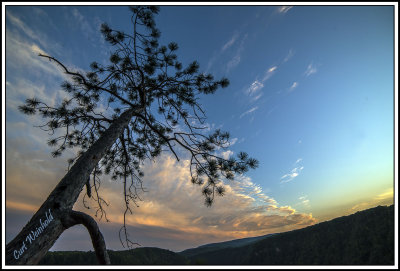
[254,87]
[254,90]
[289,56]
[288,177]
[248,112]
[284,9]
[230,42]
[311,69]
[235,60]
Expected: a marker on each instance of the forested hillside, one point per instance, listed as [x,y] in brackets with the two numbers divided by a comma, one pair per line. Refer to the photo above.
[363,238]
[138,256]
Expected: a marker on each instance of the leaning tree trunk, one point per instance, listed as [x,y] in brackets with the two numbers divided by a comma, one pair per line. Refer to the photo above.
[56,214]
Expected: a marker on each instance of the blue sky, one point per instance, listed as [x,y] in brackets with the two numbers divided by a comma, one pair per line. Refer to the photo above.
[311,97]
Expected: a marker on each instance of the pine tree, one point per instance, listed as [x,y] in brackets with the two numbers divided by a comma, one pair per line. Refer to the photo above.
[152,106]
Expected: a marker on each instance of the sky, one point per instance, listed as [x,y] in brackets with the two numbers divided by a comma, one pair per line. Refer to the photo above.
[311,96]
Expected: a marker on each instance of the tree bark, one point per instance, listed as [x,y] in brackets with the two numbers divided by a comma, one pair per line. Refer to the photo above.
[99,245]
[48,223]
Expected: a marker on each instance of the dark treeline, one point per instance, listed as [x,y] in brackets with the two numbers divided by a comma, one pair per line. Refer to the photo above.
[138,256]
[363,238]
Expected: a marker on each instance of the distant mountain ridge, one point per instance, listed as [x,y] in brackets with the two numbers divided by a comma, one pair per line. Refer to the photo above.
[221,245]
[363,238]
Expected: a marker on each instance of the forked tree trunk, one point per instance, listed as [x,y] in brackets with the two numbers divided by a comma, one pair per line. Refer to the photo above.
[56,214]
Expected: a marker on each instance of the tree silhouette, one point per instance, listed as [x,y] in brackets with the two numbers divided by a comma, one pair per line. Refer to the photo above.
[151,106]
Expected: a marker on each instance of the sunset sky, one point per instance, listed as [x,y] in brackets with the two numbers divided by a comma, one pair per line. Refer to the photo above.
[311,96]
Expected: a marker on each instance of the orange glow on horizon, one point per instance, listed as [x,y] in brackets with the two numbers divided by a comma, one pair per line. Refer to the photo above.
[21,206]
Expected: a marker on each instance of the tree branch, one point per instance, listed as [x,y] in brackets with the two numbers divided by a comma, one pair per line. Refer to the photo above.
[74,217]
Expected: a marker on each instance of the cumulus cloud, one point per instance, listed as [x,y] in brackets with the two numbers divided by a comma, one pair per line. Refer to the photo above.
[172,214]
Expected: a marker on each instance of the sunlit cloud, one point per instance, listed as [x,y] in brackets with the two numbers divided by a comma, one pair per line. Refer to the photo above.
[269,73]
[254,87]
[254,90]
[384,198]
[172,205]
[293,173]
[23,54]
[226,154]
[34,35]
[272,69]
[284,9]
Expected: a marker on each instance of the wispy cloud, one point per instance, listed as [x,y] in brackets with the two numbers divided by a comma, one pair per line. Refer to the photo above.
[230,42]
[236,43]
[284,9]
[293,86]
[86,28]
[298,160]
[36,36]
[288,56]
[293,173]
[235,60]
[254,87]
[269,73]
[248,111]
[304,201]
[311,69]
[253,91]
